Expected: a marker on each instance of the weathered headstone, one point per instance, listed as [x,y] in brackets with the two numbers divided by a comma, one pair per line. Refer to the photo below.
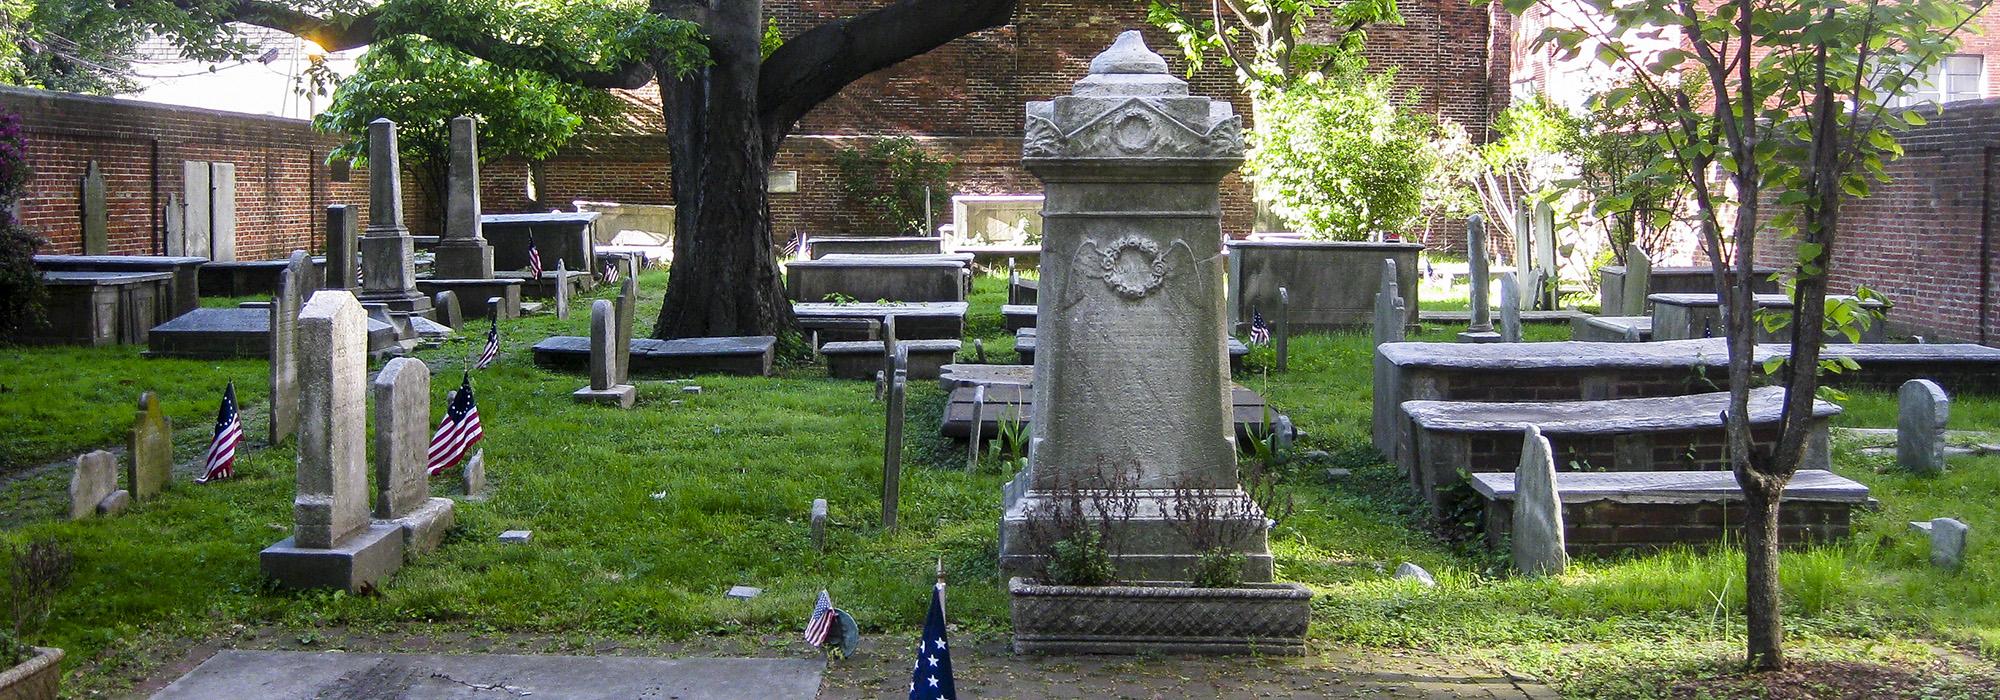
[388,254]
[979,351]
[293,286]
[1410,571]
[448,311]
[517,536]
[626,307]
[1283,435]
[1921,412]
[342,265]
[892,450]
[889,346]
[1481,328]
[1538,539]
[1947,537]
[977,426]
[462,253]
[604,386]
[1389,309]
[1132,267]
[334,544]
[562,290]
[95,214]
[1281,336]
[1510,309]
[93,487]
[1638,274]
[152,449]
[191,239]
[881,385]
[1545,258]
[222,211]
[402,443]
[819,524]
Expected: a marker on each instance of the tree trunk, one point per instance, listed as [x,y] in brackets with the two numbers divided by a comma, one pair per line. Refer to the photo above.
[725,280]
[1760,576]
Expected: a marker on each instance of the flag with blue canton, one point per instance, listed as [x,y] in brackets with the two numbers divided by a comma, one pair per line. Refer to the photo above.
[1260,332]
[492,349]
[459,431]
[931,679]
[820,626]
[221,462]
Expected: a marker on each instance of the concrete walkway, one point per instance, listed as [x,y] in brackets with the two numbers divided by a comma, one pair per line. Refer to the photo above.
[290,675]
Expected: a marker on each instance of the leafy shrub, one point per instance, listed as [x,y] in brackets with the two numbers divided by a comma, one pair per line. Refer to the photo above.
[888,180]
[21,292]
[1081,560]
[1217,568]
[1336,157]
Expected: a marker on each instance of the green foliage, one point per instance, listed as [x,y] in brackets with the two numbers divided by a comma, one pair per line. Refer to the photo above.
[1080,559]
[1289,40]
[553,37]
[1335,156]
[35,573]
[21,293]
[1217,568]
[888,182]
[771,40]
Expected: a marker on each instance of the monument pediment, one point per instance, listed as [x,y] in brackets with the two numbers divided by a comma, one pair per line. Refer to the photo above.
[1132,127]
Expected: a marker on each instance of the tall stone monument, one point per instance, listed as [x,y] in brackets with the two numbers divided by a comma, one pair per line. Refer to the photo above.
[333,542]
[388,254]
[462,253]
[1131,386]
[1480,279]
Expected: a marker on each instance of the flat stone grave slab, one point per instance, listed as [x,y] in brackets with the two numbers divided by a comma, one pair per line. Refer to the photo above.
[861,359]
[1672,433]
[1609,512]
[954,376]
[914,320]
[99,308]
[743,355]
[1699,315]
[1009,402]
[1527,316]
[297,675]
[1025,342]
[184,292]
[822,246]
[1024,292]
[1018,316]
[1674,279]
[1612,329]
[869,278]
[238,333]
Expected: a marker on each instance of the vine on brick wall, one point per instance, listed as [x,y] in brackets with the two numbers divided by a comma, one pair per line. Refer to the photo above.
[888,182]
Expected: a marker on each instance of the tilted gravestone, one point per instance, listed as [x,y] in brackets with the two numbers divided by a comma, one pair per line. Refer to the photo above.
[152,449]
[1638,270]
[95,214]
[342,263]
[402,442]
[448,310]
[1537,534]
[1921,412]
[892,449]
[1510,311]
[1947,543]
[93,487]
[334,544]
[293,286]
[462,253]
[1480,330]
[604,385]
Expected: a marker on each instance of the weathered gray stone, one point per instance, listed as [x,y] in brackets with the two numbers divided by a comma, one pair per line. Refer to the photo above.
[626,306]
[1510,309]
[820,246]
[1922,409]
[472,476]
[1638,271]
[388,254]
[1481,328]
[222,211]
[604,387]
[1409,570]
[294,675]
[462,253]
[332,501]
[402,438]
[1331,283]
[892,449]
[692,389]
[1540,294]
[562,290]
[1947,538]
[819,516]
[96,216]
[979,351]
[1538,518]
[92,485]
[913,320]
[517,536]
[924,359]
[151,448]
[1132,268]
[1389,311]
[448,313]
[293,287]
[871,278]
[342,264]
[353,564]
[743,592]
[1281,332]
[1699,315]
[976,441]
[745,355]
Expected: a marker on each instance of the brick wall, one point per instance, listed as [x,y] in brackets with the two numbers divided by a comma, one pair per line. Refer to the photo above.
[1609,527]
[1926,239]
[282,184]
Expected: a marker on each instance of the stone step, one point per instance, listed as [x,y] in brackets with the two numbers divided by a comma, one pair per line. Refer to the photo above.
[914,320]
[1611,512]
[742,355]
[1025,343]
[1010,402]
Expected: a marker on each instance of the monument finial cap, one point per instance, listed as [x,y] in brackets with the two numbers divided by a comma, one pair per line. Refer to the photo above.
[1128,55]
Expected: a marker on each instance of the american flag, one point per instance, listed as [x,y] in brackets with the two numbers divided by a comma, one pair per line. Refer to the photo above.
[795,246]
[821,623]
[534,261]
[459,431]
[492,349]
[1260,332]
[611,272]
[931,679]
[228,434]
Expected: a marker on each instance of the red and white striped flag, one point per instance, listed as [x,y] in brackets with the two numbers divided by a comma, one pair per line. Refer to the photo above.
[611,272]
[821,624]
[534,261]
[458,432]
[228,434]
[492,349]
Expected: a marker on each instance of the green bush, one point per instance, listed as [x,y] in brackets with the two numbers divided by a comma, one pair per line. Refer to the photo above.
[888,180]
[1081,560]
[1337,158]
[1217,568]
[21,292]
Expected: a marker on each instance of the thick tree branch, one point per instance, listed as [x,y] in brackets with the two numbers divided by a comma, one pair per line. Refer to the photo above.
[814,66]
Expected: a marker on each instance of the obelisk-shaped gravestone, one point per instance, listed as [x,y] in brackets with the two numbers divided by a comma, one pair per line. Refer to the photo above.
[341,269]
[284,365]
[462,253]
[1480,330]
[1510,310]
[1130,165]
[388,255]
[96,217]
[402,441]
[333,542]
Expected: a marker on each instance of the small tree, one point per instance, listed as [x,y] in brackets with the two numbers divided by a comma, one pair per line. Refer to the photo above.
[1336,157]
[1774,112]
[891,180]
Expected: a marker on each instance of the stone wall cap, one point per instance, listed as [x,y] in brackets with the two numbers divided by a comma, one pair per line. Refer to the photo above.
[85,278]
[1775,301]
[553,217]
[1674,487]
[1397,246]
[120,260]
[1613,417]
[1565,354]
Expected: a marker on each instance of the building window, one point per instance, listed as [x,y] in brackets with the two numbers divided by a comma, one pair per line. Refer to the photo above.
[1957,77]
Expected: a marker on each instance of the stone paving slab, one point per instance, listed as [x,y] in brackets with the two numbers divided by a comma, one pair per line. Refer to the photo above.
[288,675]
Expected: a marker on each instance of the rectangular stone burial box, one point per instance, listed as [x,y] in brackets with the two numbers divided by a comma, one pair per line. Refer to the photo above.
[861,359]
[241,278]
[914,320]
[1699,315]
[1015,317]
[1332,284]
[473,293]
[99,308]
[875,278]
[1026,341]
[1691,279]
[748,355]
[183,292]
[1611,512]
[566,236]
[1671,433]
[1611,329]
[822,245]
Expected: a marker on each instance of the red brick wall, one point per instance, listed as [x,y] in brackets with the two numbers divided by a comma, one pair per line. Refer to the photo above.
[282,184]
[1927,238]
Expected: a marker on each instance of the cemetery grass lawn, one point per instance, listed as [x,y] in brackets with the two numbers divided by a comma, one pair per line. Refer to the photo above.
[643,518]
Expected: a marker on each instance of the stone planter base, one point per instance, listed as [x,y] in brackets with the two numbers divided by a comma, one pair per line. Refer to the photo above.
[1160,617]
[38,678]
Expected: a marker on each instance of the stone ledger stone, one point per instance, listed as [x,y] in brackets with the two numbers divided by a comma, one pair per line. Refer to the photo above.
[1132,268]
[1921,412]
[1538,517]
[152,450]
[604,386]
[93,487]
[462,253]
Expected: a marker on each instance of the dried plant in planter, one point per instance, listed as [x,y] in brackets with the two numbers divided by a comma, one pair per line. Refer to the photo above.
[1218,527]
[37,572]
[1080,523]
